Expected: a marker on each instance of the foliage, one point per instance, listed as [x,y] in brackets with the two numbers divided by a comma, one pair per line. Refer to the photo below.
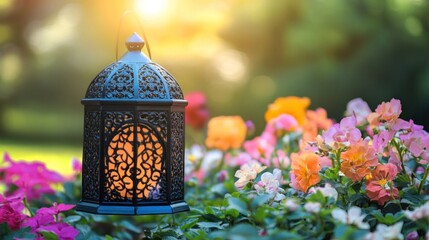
[364,177]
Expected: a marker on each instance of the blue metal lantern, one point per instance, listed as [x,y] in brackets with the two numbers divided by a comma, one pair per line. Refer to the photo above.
[134,131]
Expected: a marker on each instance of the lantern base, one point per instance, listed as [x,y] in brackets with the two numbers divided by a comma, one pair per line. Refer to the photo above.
[132,210]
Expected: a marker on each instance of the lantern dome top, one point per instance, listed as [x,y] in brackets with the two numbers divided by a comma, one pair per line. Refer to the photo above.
[134,77]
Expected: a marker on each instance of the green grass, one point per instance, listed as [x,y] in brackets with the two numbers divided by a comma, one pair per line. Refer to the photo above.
[57,157]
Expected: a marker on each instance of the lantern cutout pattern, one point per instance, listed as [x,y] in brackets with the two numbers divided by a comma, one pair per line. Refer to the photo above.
[133,153]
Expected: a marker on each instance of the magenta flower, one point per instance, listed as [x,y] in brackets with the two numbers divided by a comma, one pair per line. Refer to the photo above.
[56,209]
[32,179]
[77,165]
[11,211]
[62,230]
[358,108]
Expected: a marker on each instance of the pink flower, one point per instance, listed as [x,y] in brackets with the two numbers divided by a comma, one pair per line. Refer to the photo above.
[38,221]
[62,230]
[386,112]
[11,211]
[197,113]
[282,123]
[239,160]
[222,176]
[77,165]
[342,134]
[358,108]
[56,209]
[381,141]
[32,179]
[280,160]
[261,147]
[380,187]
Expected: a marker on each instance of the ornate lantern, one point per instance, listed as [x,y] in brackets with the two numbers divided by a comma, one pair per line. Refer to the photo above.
[133,153]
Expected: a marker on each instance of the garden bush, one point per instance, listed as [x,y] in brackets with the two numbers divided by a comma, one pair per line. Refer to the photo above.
[304,177]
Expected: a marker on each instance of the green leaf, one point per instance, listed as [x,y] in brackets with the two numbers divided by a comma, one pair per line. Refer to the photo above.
[387,219]
[232,212]
[260,200]
[108,237]
[49,235]
[73,219]
[239,205]
[210,225]
[23,233]
[189,223]
[345,232]
[129,226]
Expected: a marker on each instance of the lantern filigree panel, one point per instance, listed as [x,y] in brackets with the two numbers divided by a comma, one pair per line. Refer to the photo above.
[96,88]
[91,159]
[173,86]
[134,166]
[121,84]
[150,84]
[177,155]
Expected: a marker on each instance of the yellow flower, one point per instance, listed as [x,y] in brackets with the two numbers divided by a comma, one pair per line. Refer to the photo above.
[226,132]
[295,106]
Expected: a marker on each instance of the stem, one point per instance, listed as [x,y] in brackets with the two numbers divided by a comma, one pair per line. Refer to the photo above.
[423,180]
[401,157]
[28,207]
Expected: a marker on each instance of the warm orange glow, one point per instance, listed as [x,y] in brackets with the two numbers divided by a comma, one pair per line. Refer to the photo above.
[121,167]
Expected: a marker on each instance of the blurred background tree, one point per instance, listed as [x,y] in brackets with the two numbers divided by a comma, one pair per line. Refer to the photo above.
[241,53]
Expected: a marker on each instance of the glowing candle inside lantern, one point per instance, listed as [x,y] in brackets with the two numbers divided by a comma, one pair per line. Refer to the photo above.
[145,171]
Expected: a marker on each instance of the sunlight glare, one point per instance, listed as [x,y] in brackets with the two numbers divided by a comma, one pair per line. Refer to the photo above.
[152,8]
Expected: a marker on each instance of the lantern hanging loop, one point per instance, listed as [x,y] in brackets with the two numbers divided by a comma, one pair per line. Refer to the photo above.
[133,13]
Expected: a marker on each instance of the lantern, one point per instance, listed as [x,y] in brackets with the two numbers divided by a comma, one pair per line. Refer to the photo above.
[133,150]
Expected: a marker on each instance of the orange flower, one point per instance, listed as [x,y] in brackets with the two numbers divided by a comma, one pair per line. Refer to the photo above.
[380,187]
[225,132]
[315,121]
[305,168]
[295,106]
[358,160]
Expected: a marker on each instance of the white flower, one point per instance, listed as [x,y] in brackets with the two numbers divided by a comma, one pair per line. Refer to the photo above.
[418,213]
[327,191]
[270,183]
[384,232]
[211,160]
[193,156]
[247,173]
[352,217]
[312,207]
[291,205]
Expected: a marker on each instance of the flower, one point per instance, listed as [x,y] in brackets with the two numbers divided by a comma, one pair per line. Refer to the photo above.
[56,209]
[197,113]
[32,179]
[380,187]
[421,212]
[261,147]
[291,205]
[226,132]
[11,211]
[352,217]
[315,121]
[342,134]
[305,168]
[270,183]
[388,112]
[412,236]
[247,173]
[358,108]
[384,232]
[327,191]
[282,123]
[295,106]
[62,230]
[358,160]
[312,207]
[76,165]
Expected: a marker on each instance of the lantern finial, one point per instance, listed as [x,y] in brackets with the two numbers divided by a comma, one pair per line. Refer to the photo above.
[134,43]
